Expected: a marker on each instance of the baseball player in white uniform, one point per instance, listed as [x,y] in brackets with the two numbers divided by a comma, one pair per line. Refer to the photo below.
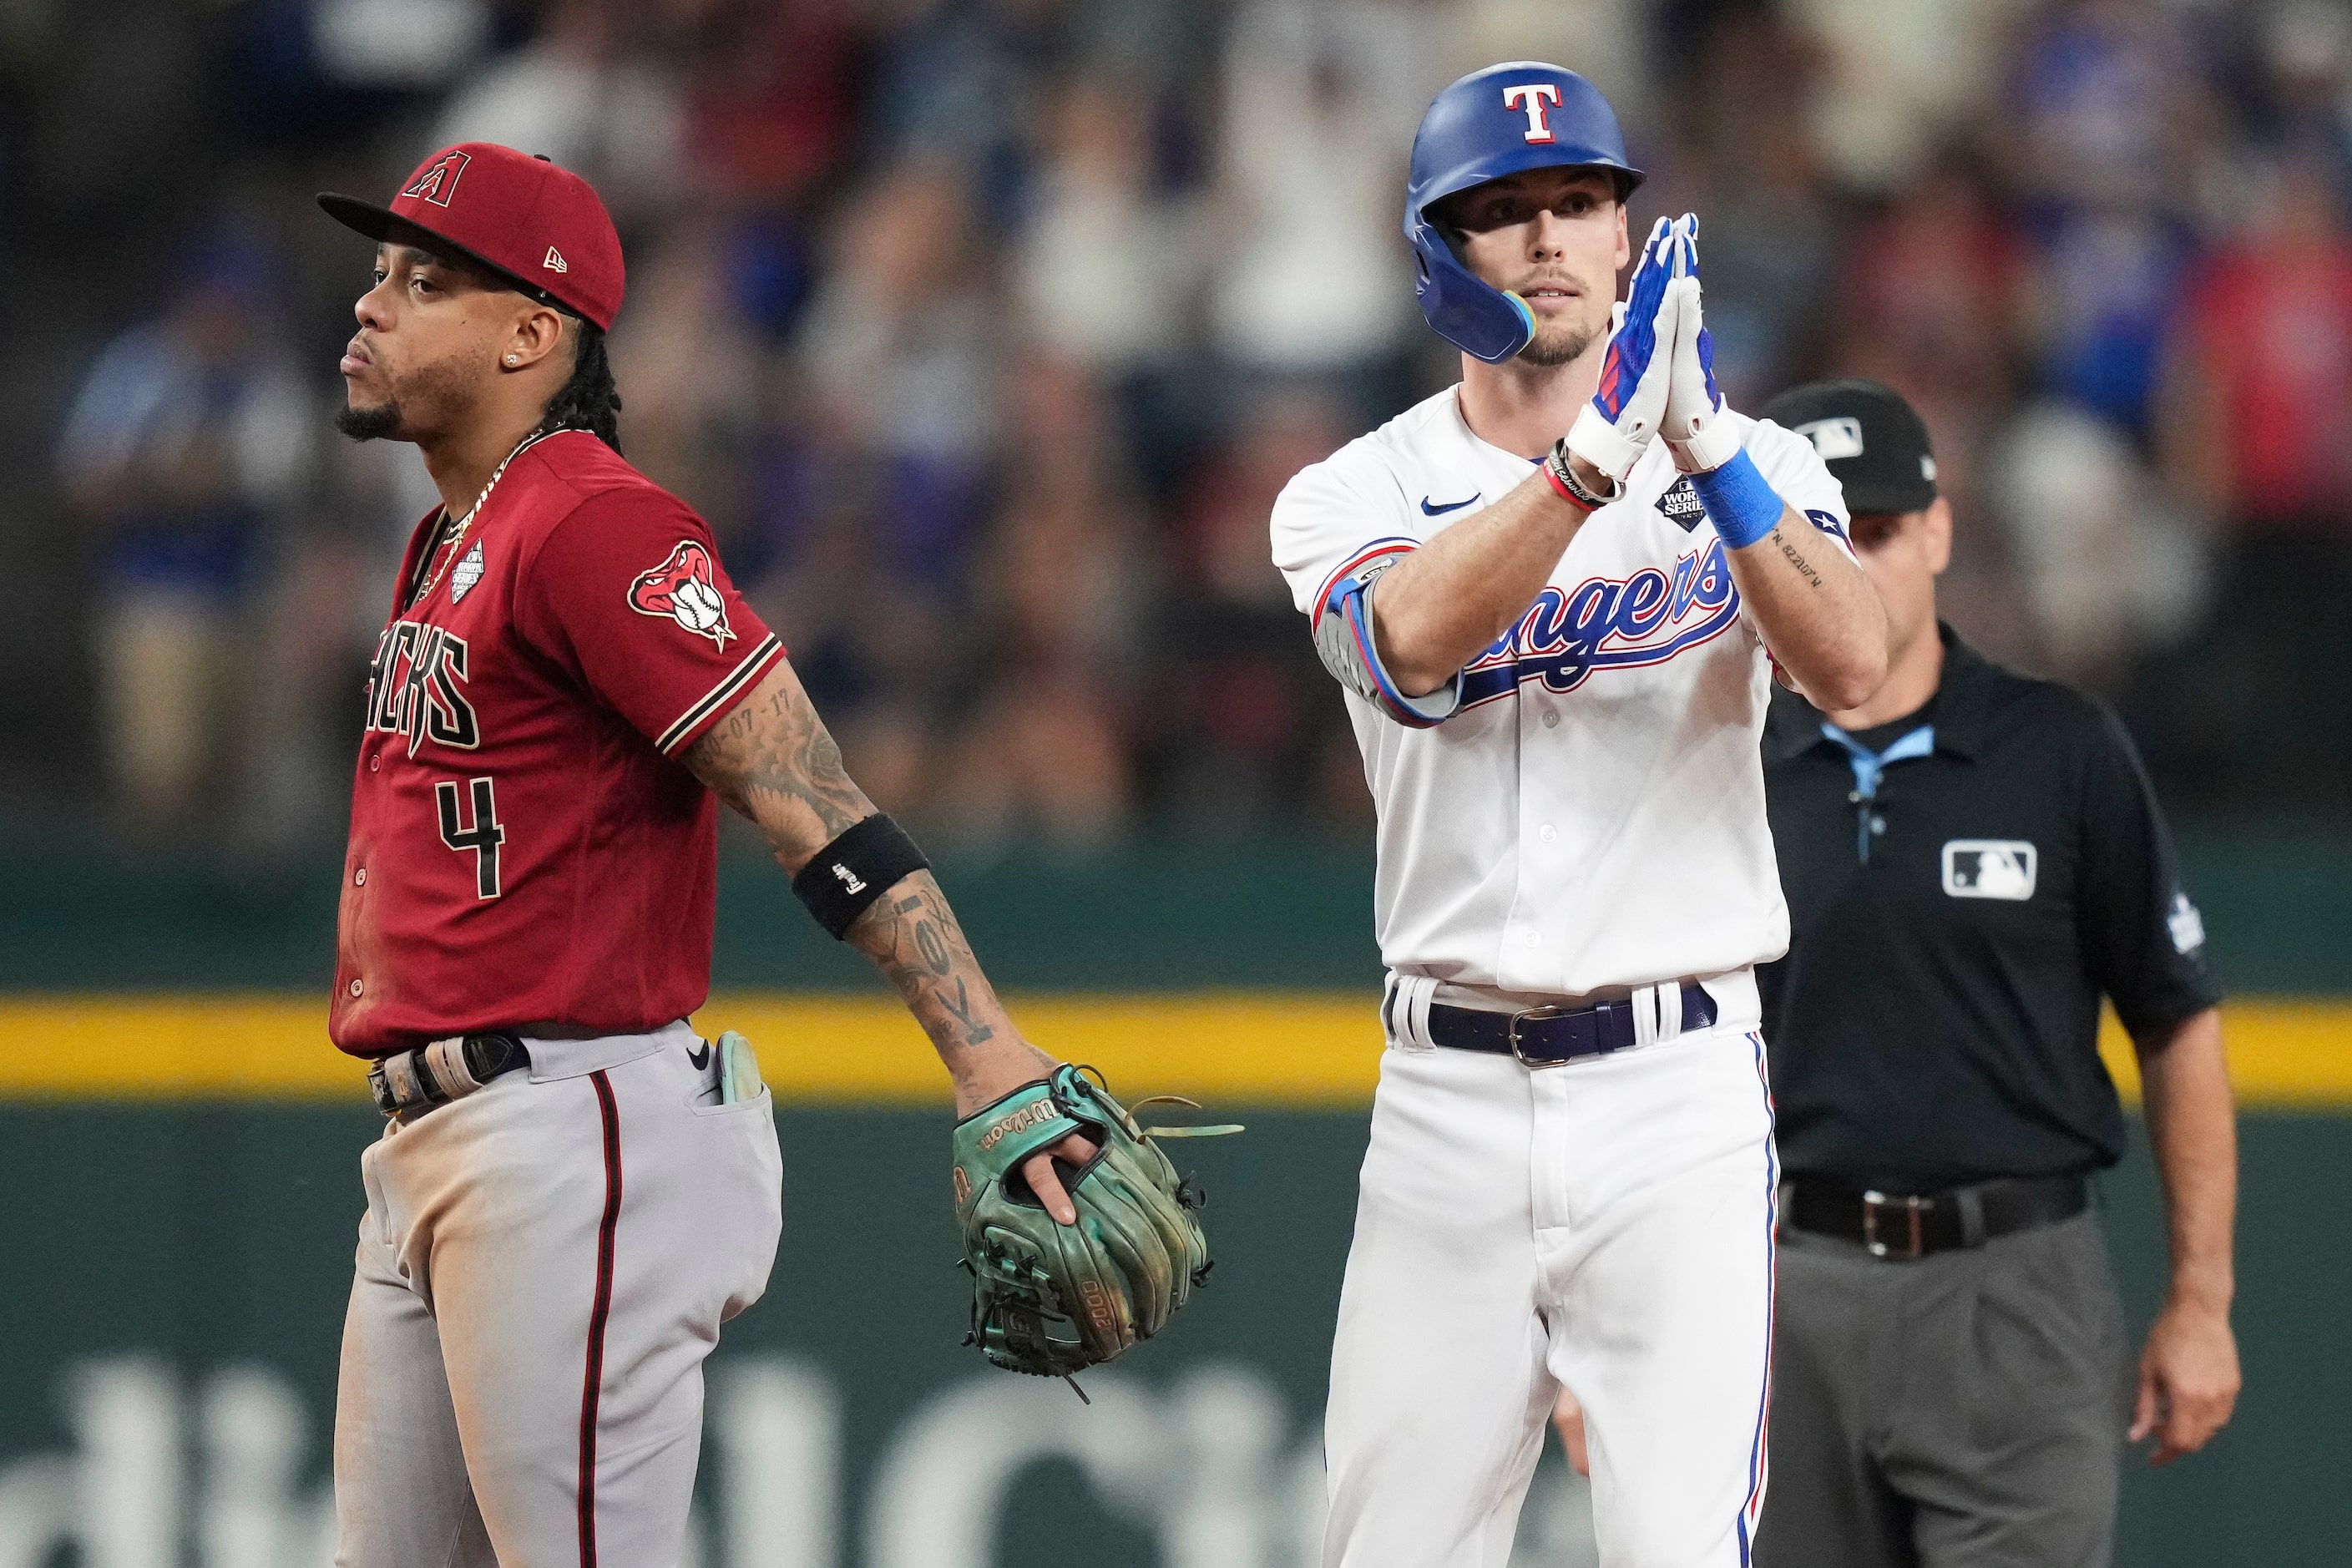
[1550,592]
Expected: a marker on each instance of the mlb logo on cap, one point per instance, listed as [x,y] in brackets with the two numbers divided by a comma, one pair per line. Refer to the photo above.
[1834,439]
[543,228]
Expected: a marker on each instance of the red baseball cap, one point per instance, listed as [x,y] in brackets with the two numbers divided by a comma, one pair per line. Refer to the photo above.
[543,228]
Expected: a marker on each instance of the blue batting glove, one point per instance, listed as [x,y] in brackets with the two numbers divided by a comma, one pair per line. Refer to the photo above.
[1700,439]
[1613,430]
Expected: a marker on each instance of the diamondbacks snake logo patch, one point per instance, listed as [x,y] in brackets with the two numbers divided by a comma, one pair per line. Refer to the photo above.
[685,589]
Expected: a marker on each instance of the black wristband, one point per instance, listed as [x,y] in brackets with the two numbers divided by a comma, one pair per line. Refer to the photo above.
[854,869]
[1562,474]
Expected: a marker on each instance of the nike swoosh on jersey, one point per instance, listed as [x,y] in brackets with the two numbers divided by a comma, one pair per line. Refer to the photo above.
[1429,510]
[700,1059]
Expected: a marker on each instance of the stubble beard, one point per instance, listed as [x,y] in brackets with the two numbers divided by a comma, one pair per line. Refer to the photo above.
[1560,345]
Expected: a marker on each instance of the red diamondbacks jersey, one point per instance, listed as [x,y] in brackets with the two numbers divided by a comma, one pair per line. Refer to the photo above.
[525,846]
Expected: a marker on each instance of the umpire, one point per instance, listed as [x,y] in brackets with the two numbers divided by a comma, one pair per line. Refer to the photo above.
[1972,859]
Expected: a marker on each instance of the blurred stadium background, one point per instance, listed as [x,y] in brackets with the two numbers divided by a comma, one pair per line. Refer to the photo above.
[985,332]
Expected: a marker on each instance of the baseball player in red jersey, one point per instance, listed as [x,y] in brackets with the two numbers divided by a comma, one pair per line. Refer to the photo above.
[573,1192]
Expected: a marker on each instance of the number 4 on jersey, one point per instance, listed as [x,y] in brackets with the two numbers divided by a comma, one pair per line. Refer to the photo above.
[483,838]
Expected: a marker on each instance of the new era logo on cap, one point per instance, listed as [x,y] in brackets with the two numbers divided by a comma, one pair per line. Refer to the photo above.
[554,262]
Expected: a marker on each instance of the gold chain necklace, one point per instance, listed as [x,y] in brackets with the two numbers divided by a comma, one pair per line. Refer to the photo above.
[446,551]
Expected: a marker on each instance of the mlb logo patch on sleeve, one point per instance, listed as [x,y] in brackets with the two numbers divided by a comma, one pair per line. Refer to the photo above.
[1990,868]
[2186,925]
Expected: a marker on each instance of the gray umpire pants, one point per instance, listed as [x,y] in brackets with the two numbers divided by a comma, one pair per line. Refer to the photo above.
[1963,1408]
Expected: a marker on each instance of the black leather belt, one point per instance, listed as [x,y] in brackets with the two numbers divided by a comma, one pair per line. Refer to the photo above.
[1906,1225]
[1546,1036]
[443,1070]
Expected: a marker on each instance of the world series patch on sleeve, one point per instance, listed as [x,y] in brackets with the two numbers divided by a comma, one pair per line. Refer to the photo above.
[1050,1299]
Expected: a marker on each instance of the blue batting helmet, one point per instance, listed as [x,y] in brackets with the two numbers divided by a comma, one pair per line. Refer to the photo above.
[1507,118]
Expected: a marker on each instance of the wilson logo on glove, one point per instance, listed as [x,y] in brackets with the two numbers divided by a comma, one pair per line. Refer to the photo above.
[1027,1116]
[1049,1299]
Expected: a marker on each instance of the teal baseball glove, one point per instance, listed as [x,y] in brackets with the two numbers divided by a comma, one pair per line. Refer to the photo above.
[1053,1300]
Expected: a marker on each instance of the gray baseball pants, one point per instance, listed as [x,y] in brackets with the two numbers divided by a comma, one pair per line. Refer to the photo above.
[543,1267]
[1962,1410]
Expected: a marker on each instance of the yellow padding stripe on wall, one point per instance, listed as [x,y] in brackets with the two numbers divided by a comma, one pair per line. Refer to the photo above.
[1313,1050]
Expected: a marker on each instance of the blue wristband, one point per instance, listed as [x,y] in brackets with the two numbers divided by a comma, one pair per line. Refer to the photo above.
[1743,507]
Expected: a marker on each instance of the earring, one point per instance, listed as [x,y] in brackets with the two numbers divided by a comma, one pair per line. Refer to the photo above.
[510,359]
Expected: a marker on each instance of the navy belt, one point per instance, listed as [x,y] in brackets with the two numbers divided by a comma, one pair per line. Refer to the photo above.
[1546,1036]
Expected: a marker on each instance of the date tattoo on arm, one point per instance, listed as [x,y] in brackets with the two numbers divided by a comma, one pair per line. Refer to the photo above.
[775,763]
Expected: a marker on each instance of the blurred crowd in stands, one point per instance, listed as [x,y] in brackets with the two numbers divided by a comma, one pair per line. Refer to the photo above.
[985,332]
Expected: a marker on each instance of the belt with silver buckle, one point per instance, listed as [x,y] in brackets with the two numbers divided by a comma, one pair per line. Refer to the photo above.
[1908,1225]
[1546,1036]
[442,1070]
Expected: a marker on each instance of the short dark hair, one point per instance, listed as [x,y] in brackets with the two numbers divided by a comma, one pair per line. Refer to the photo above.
[589,400]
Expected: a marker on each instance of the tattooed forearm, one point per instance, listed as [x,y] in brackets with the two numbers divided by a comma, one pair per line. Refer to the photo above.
[915,941]
[774,763]
[974,1032]
[1796,558]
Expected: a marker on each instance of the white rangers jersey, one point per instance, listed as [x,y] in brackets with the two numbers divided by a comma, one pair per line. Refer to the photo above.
[1588,811]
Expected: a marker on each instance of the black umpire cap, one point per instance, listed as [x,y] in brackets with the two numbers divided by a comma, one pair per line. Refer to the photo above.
[1875,444]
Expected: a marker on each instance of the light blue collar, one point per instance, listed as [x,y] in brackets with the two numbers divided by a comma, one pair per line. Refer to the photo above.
[1870,767]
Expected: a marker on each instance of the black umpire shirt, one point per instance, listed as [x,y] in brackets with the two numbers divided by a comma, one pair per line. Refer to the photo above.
[1936,1020]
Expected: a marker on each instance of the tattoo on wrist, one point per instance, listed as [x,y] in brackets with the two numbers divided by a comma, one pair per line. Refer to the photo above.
[973,1033]
[920,949]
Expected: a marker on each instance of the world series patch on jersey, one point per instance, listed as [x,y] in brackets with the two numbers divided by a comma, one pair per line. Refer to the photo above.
[1585,807]
[524,719]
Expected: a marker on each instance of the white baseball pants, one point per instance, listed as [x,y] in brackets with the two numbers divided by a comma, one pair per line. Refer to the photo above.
[543,1267]
[1606,1225]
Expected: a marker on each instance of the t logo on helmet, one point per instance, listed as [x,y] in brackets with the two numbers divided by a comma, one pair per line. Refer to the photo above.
[1532,97]
[439,183]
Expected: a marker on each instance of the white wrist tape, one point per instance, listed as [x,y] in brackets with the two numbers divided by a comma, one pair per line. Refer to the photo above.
[1606,447]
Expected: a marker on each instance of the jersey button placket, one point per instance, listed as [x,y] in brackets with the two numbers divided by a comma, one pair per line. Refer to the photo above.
[356,987]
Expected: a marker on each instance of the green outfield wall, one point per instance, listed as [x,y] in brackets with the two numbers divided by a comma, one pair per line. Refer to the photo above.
[179,1190]
[171,1279]
[1289,912]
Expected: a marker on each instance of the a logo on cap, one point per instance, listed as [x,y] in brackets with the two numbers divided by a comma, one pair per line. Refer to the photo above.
[1834,438]
[438,183]
[554,262]
[1532,96]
